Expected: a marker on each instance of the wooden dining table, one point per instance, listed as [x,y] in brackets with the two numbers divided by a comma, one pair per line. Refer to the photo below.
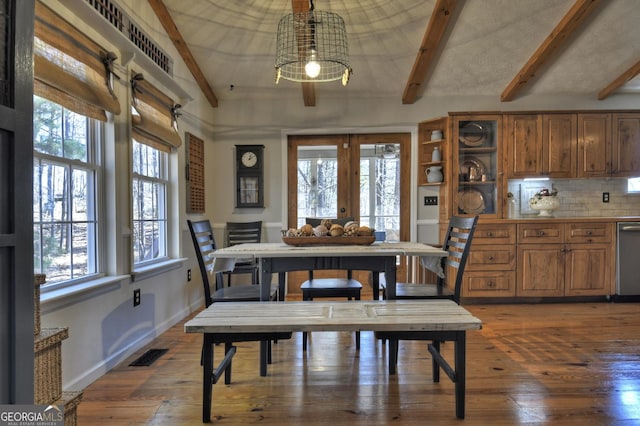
[443,319]
[280,258]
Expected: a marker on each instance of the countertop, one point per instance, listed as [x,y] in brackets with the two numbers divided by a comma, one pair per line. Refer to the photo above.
[533,218]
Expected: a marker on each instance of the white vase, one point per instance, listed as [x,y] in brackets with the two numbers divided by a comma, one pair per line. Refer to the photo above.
[436,135]
[435,155]
[434,174]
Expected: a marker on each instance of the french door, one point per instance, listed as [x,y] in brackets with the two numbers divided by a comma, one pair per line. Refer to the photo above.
[364,176]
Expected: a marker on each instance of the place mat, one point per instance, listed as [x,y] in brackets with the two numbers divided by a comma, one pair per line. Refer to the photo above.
[323,241]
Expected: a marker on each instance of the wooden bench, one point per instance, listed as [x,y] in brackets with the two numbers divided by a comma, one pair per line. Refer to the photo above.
[444,318]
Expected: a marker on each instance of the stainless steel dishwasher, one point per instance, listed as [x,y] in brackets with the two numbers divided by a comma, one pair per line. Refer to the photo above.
[628,262]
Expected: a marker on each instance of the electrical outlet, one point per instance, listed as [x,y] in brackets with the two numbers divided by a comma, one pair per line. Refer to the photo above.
[430,201]
[136,297]
[605,197]
[188,274]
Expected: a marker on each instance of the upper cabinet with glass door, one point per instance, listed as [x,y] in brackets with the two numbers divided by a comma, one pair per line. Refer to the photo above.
[478,184]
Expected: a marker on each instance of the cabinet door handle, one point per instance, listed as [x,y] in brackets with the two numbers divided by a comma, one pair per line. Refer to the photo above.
[541,233]
[490,258]
[489,234]
[490,284]
[589,233]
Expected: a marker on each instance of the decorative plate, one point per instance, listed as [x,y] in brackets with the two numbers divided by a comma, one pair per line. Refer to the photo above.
[325,241]
[471,201]
[473,134]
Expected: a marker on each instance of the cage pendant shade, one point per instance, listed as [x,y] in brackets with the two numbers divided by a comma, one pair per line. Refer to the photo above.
[317,37]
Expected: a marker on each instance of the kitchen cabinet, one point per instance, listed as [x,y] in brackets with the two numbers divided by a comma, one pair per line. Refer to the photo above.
[524,145]
[594,145]
[609,145]
[564,259]
[625,151]
[476,177]
[490,268]
[541,145]
[559,145]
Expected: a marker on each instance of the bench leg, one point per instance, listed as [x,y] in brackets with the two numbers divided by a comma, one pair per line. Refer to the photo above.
[393,355]
[264,357]
[460,361]
[434,364]
[207,378]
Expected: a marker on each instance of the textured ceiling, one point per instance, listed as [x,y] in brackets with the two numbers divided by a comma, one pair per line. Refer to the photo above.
[234,44]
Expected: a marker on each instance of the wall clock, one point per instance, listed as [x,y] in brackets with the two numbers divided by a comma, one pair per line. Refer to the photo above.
[249,176]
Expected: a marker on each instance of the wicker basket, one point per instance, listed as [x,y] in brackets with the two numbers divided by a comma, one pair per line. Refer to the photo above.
[70,400]
[48,365]
[38,280]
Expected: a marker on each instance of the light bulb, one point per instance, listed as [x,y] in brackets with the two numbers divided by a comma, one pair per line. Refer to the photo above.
[312,68]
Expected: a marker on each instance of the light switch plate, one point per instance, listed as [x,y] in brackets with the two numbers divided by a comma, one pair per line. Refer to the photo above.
[430,201]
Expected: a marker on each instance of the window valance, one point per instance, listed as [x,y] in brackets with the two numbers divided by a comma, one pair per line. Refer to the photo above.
[153,115]
[70,68]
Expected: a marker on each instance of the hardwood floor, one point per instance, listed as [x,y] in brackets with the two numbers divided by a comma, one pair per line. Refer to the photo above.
[560,364]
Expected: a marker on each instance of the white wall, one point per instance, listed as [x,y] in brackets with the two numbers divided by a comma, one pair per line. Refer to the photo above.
[104,326]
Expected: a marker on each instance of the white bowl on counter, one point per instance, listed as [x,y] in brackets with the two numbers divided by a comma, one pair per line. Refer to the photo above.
[544,204]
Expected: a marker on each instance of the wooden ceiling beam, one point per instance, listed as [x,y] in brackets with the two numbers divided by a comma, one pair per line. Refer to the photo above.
[438,23]
[180,44]
[308,88]
[622,79]
[571,21]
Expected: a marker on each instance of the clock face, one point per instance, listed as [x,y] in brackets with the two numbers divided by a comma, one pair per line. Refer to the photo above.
[249,159]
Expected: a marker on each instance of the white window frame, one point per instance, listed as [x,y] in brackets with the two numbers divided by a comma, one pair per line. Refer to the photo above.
[161,215]
[95,169]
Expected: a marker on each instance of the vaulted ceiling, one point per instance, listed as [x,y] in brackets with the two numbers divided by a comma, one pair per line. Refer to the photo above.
[409,49]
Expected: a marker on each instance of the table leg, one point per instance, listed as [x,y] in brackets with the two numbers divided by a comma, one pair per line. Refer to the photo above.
[265,278]
[390,276]
[460,361]
[207,378]
[265,289]
[375,284]
[390,281]
[282,284]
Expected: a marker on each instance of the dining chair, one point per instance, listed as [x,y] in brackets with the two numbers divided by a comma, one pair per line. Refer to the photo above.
[315,288]
[205,247]
[457,244]
[239,233]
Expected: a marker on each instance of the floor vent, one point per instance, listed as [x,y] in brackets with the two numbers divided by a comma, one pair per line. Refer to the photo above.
[148,358]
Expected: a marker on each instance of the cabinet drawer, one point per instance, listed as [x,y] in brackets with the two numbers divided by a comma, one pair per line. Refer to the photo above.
[491,233]
[491,258]
[534,233]
[589,232]
[488,284]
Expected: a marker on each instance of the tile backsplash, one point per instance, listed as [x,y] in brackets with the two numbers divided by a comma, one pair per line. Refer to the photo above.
[579,197]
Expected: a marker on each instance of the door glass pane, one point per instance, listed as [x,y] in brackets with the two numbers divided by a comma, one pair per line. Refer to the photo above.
[380,188]
[317,182]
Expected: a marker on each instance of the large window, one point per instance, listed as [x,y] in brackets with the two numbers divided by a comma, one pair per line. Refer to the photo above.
[150,183]
[66,174]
